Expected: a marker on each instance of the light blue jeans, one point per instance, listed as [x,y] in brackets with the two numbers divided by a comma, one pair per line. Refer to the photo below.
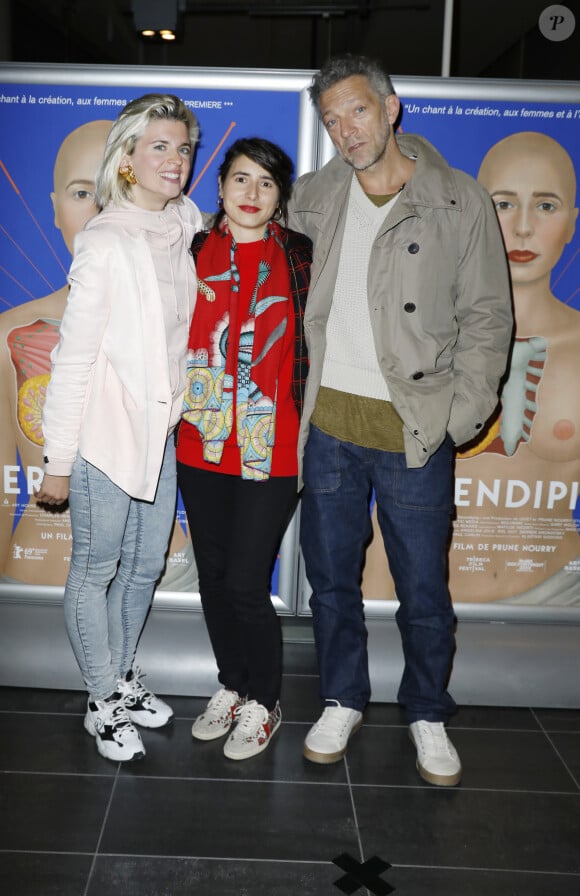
[118,555]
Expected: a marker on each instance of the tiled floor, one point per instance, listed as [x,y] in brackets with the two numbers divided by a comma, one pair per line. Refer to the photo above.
[187,821]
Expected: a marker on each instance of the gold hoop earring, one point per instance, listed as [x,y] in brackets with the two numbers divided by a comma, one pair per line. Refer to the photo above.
[127,172]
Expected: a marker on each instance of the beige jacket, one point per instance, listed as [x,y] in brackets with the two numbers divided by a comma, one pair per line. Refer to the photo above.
[438,293]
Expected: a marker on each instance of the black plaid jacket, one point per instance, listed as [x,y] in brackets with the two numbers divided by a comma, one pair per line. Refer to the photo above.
[299,254]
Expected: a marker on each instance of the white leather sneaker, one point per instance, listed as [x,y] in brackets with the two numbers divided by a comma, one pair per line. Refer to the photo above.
[437,759]
[327,740]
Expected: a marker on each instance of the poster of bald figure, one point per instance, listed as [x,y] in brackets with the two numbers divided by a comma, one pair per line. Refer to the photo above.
[34,548]
[516,532]
[54,122]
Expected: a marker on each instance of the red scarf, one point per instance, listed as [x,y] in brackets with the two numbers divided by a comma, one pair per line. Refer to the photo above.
[214,363]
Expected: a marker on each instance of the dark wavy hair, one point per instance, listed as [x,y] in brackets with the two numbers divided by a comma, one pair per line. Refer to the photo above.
[268,156]
[340,67]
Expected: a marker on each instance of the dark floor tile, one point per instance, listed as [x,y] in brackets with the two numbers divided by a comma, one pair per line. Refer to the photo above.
[38,700]
[173,752]
[519,719]
[385,714]
[568,747]
[185,877]
[304,822]
[300,700]
[32,742]
[454,828]
[450,882]
[510,760]
[43,874]
[559,719]
[494,760]
[382,755]
[186,707]
[52,813]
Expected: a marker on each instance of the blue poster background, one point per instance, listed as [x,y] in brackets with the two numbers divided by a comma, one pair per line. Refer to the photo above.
[464,130]
[34,261]
[33,257]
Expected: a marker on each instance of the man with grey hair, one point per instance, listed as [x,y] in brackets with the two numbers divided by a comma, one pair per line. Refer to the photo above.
[409,325]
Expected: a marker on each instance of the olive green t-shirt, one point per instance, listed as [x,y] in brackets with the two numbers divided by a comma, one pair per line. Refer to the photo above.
[368,422]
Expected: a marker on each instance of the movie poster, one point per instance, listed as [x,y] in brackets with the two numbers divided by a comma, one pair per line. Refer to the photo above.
[54,121]
[516,535]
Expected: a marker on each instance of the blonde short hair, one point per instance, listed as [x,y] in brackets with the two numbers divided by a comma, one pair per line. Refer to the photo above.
[127,130]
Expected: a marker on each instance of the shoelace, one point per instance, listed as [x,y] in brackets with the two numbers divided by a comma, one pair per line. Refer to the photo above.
[221,701]
[434,734]
[137,685]
[250,715]
[331,721]
[114,714]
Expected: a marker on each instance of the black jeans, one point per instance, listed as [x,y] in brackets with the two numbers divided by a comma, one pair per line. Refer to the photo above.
[236,527]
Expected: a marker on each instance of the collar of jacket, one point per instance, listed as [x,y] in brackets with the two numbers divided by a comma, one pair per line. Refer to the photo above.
[433,184]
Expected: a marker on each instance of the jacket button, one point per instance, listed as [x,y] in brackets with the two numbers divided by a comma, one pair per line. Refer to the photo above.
[413,248]
[415,432]
[478,425]
[453,202]
[418,375]
[410,307]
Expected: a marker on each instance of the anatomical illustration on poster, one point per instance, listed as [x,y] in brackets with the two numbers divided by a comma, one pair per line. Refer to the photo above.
[516,533]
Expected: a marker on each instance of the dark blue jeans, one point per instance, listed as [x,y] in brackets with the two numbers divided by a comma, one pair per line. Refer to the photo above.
[414,512]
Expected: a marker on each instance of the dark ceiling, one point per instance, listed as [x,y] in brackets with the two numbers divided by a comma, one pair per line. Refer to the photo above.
[491,38]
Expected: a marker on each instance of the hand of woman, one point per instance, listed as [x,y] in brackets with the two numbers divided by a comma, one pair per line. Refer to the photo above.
[53,490]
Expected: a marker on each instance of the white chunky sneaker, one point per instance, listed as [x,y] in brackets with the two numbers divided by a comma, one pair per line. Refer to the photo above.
[254,730]
[116,736]
[437,758]
[218,716]
[143,707]
[327,740]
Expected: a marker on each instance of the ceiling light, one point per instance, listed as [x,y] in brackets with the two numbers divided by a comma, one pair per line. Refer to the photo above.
[157,19]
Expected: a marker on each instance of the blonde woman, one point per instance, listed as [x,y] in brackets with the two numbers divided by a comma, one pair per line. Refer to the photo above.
[114,398]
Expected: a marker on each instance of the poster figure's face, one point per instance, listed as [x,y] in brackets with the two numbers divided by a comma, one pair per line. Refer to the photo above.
[76,165]
[358,121]
[250,196]
[533,188]
[161,161]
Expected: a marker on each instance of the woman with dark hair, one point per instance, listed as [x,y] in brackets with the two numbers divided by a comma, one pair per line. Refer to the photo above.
[237,443]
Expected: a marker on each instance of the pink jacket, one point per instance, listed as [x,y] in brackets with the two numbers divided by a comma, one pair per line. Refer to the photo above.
[109,396]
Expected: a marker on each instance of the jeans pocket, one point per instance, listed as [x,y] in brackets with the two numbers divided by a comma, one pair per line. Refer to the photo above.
[430,487]
[321,462]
